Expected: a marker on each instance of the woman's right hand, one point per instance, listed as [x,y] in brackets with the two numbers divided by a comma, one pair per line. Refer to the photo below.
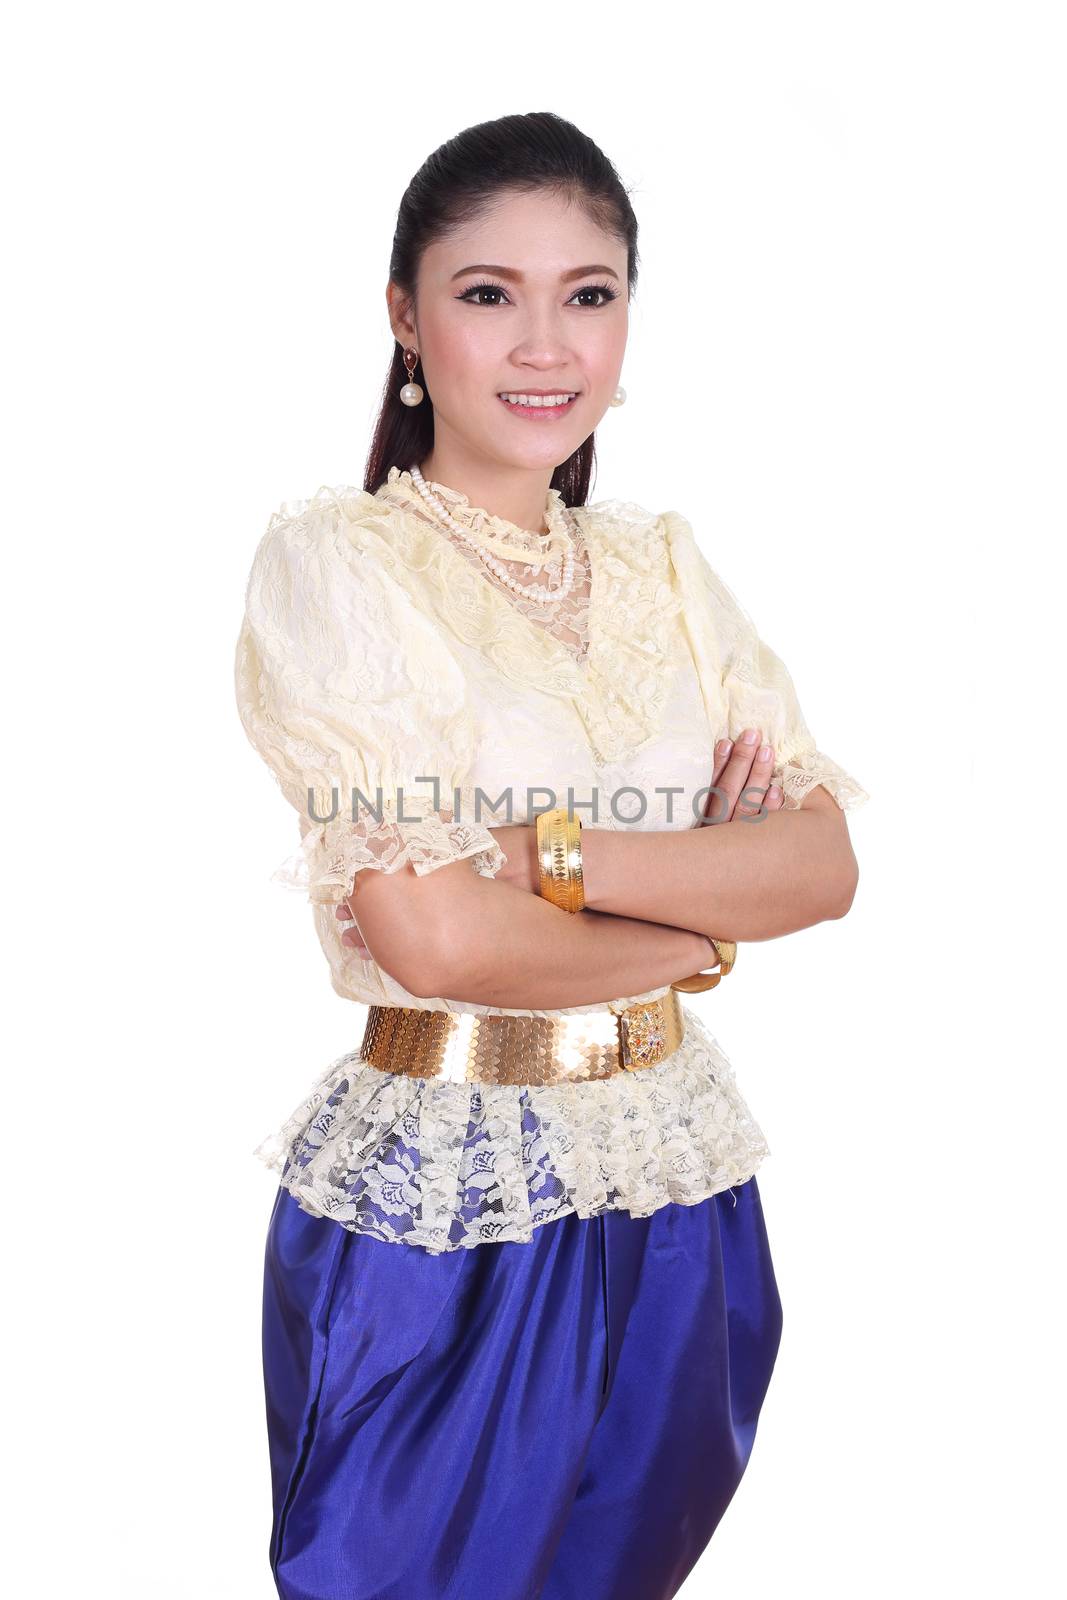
[740,768]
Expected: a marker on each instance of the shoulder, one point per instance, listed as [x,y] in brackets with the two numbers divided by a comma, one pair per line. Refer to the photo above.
[690,558]
[321,578]
[629,520]
[332,516]
[337,536]
[619,518]
[634,534]
[668,533]
[704,589]
[661,548]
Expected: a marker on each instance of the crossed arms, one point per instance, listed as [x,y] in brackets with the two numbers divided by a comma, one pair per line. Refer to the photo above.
[653,901]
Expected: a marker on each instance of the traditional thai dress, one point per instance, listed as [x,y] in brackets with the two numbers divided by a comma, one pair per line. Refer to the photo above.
[519,1320]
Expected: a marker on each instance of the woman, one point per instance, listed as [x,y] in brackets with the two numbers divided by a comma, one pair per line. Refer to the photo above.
[519,1312]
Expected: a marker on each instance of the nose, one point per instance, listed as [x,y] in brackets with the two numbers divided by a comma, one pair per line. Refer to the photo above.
[542,343]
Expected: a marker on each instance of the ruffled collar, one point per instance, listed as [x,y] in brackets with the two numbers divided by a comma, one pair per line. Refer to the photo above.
[477,520]
[620,687]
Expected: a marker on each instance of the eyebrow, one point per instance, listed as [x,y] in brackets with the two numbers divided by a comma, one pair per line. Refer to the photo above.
[517,277]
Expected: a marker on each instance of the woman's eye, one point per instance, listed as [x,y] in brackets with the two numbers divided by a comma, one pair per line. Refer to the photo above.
[479,288]
[601,289]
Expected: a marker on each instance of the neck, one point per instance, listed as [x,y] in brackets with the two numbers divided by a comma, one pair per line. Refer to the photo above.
[516,494]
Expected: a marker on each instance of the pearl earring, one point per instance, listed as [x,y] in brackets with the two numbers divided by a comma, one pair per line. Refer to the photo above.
[619,397]
[412,393]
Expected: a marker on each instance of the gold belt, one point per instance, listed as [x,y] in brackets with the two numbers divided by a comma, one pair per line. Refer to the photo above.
[468,1047]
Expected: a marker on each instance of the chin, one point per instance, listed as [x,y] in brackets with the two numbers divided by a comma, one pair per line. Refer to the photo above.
[548,453]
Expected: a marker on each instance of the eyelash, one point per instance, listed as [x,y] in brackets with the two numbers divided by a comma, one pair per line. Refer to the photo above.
[496,288]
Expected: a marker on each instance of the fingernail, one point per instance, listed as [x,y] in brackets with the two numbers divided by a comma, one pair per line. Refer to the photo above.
[764,751]
[749,736]
[722,746]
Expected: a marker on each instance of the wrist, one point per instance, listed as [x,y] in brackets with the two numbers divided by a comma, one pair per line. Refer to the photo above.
[531,859]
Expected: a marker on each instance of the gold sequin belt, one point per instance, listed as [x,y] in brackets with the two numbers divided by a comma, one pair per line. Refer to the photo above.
[468,1047]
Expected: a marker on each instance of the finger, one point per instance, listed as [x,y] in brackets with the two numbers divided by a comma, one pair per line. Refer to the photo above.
[722,756]
[754,789]
[721,806]
[714,805]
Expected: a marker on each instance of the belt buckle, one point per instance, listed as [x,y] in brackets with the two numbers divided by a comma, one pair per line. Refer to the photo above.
[643,1034]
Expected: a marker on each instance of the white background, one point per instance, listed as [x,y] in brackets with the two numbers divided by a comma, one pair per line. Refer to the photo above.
[846,367]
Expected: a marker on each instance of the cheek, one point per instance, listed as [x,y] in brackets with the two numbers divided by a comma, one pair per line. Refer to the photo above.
[467,356]
[602,354]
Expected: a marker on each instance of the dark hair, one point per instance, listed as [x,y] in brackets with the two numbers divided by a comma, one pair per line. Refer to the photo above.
[522,153]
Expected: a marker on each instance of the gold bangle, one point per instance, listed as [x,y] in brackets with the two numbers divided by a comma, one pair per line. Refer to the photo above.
[559,859]
[700,981]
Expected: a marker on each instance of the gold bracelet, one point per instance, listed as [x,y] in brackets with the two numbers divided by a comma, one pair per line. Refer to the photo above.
[559,859]
[707,980]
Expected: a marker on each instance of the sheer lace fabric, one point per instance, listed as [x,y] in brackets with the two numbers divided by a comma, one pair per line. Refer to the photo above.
[377,654]
[413,832]
[452,1165]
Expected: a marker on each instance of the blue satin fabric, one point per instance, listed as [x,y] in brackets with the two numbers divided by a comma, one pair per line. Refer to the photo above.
[561,1419]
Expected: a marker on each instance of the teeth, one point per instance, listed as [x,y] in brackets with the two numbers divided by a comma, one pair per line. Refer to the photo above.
[537,399]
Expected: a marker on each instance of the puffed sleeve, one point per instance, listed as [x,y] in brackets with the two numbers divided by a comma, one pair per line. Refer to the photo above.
[354,701]
[754,687]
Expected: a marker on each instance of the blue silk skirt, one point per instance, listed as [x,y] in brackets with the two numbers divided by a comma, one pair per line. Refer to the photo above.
[560,1419]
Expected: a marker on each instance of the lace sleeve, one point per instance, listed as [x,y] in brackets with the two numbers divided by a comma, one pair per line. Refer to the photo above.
[331,854]
[358,709]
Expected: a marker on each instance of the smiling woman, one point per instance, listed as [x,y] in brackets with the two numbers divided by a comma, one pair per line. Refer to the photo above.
[528,1200]
[503,329]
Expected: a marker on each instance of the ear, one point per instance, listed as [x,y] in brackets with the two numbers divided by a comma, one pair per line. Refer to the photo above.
[400,319]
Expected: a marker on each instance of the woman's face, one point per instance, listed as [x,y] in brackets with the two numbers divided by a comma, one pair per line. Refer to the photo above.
[532,297]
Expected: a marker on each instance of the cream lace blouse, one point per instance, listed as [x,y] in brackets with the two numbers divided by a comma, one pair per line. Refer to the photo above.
[377,651]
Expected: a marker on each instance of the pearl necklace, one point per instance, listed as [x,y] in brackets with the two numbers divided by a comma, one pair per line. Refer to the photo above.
[548,546]
[525,591]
